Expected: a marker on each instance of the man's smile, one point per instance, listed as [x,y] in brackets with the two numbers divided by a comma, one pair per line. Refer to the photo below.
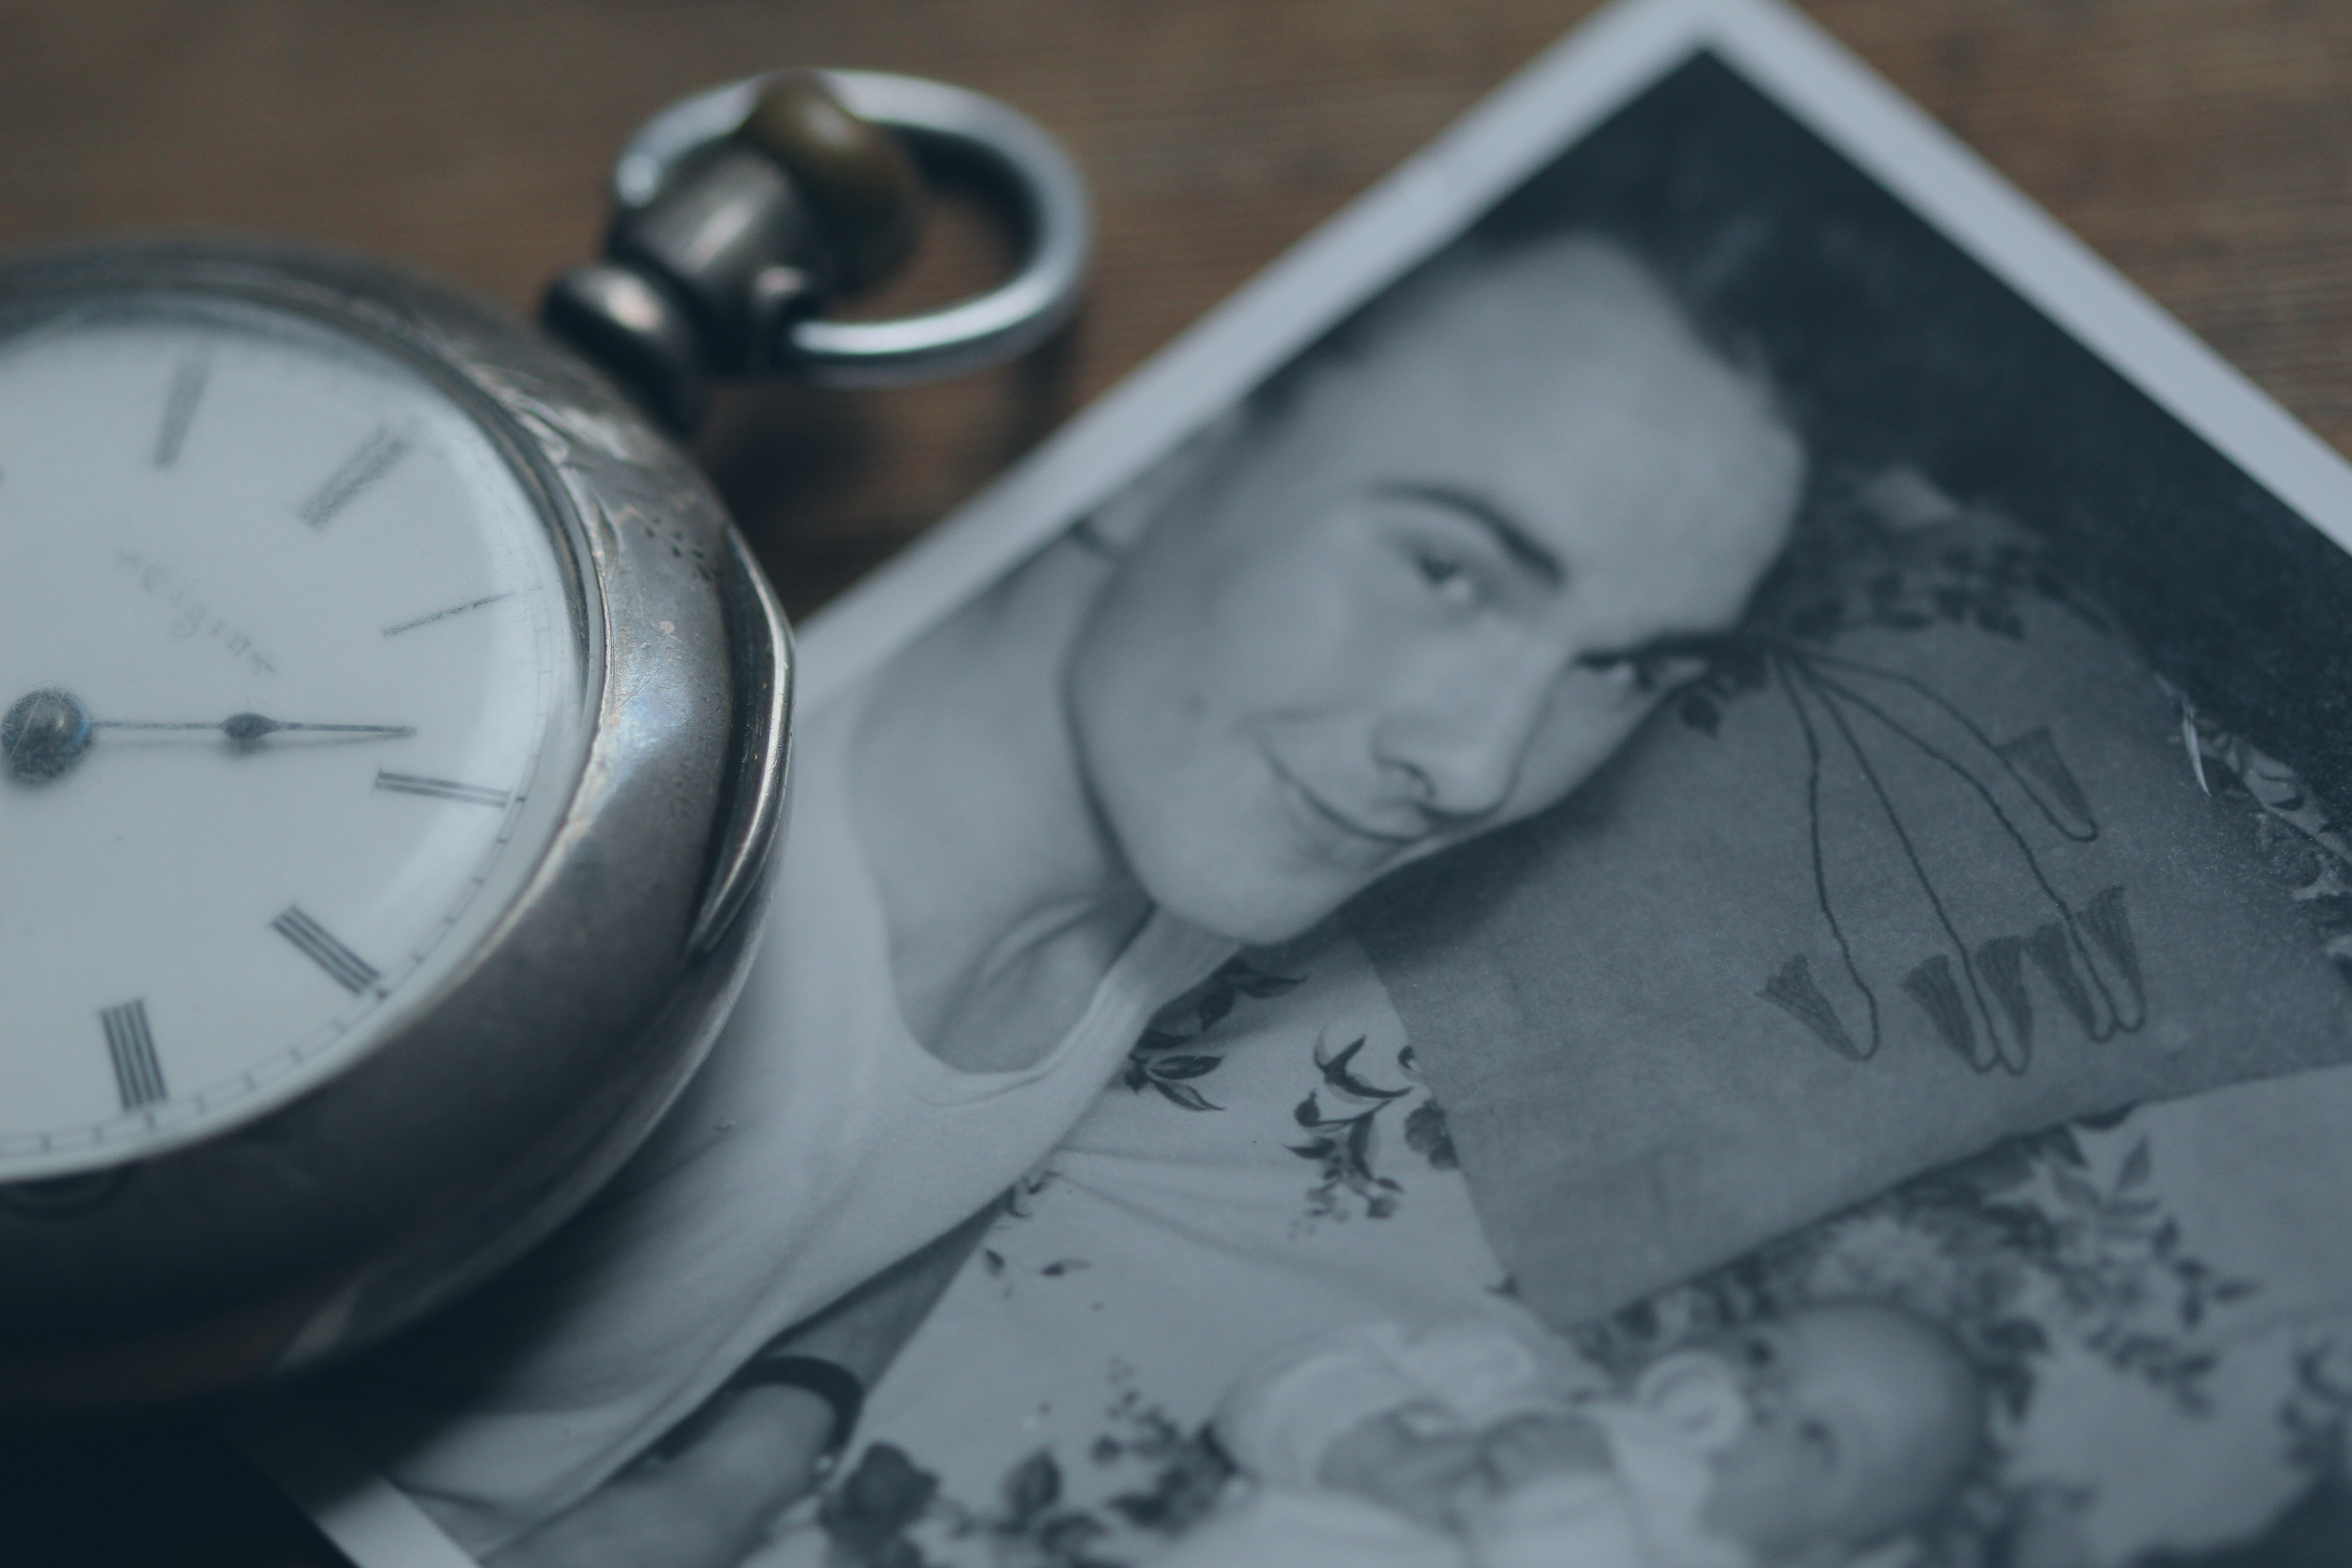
[1328,822]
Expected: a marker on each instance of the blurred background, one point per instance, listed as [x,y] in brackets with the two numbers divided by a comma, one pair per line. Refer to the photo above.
[2203,146]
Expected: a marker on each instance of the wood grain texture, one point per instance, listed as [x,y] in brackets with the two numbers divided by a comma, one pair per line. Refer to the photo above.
[2204,146]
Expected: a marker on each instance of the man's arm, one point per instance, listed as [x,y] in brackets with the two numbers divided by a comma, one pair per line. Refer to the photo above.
[704,1496]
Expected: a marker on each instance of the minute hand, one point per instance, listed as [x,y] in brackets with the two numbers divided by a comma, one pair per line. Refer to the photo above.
[247,728]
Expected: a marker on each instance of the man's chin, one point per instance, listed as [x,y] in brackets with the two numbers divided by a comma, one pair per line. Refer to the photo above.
[1245,876]
[1249,913]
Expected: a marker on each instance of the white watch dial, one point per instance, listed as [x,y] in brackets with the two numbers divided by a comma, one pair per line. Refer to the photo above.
[291,698]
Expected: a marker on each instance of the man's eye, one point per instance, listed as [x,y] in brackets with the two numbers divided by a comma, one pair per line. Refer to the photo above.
[1444,573]
[1645,672]
[1659,671]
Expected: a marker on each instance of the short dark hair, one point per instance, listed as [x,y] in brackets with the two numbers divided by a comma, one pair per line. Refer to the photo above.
[1481,252]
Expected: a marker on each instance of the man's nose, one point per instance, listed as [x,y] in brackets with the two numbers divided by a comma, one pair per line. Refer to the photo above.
[1459,749]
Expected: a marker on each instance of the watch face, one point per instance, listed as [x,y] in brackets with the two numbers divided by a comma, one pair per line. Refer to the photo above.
[291,698]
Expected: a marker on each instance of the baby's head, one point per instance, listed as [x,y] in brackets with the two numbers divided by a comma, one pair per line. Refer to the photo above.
[1831,1430]
[1806,1441]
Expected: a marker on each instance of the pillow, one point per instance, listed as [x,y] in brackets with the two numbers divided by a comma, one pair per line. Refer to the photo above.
[1926,864]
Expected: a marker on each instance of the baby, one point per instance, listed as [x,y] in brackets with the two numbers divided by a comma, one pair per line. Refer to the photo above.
[1820,1439]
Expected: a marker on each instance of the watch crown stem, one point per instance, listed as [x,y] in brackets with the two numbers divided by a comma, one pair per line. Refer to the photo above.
[801,201]
[854,176]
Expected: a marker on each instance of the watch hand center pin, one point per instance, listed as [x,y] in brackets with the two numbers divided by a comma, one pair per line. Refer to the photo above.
[44,734]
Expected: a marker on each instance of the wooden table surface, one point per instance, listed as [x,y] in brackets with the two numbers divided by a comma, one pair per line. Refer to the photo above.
[2204,146]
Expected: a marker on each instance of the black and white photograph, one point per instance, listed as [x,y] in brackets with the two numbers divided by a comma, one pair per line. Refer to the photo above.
[1639,867]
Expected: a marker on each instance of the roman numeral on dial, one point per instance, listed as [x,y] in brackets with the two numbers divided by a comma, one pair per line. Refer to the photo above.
[441,789]
[344,967]
[137,1075]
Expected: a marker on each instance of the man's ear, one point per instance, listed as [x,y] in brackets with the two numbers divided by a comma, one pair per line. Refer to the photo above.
[1119,523]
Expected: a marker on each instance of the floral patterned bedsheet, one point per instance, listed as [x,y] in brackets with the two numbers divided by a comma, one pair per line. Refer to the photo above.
[2161,1301]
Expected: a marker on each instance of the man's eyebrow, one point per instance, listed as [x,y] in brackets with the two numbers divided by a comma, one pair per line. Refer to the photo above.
[1512,536]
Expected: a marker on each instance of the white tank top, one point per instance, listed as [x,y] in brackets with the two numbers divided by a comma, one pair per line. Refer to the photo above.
[819,1144]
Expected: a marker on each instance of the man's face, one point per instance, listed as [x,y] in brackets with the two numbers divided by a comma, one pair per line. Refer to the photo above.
[1392,616]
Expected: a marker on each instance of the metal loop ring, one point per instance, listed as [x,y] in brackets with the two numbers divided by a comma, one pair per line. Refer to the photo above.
[1010,320]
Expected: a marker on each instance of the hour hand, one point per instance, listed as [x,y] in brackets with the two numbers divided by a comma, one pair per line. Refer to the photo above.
[246,729]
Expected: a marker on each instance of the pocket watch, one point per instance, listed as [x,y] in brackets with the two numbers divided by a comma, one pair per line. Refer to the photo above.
[394,729]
